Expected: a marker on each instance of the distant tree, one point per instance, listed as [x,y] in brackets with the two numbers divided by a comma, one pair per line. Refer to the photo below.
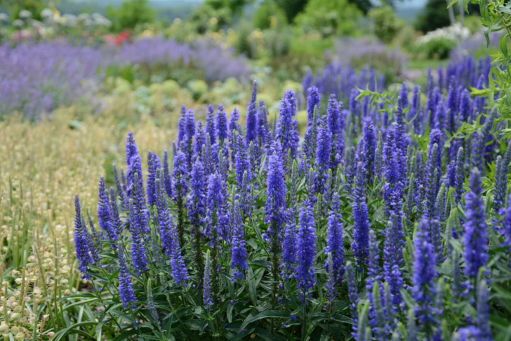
[269,13]
[366,5]
[329,17]
[433,16]
[292,7]
[363,5]
[130,14]
[33,6]
[236,6]
[386,24]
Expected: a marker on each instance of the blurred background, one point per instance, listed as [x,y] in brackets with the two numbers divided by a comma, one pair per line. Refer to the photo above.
[160,54]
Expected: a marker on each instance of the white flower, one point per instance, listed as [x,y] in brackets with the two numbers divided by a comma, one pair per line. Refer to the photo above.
[46,13]
[100,20]
[24,14]
[456,32]
[4,17]
[18,23]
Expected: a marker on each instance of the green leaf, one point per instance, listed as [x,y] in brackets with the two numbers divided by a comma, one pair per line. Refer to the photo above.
[74,329]
[451,3]
[263,315]
[125,335]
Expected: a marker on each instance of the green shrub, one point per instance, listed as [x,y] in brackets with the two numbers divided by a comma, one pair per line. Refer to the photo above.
[386,24]
[438,48]
[130,14]
[329,18]
[208,18]
[269,15]
[434,15]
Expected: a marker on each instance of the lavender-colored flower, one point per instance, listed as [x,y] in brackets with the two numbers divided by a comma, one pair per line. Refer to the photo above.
[241,162]
[287,129]
[177,263]
[138,252]
[353,296]
[374,273]
[275,208]
[167,180]
[92,241]
[181,129]
[164,220]
[190,124]
[501,176]
[507,226]
[393,256]
[125,289]
[115,221]
[139,203]
[465,106]
[121,189]
[306,246]
[150,304]
[289,247]
[153,164]
[475,238]
[210,124]
[234,122]
[360,217]
[482,318]
[330,282]
[335,245]
[215,203]
[104,211]
[222,129]
[251,131]
[403,96]
[478,150]
[323,149]
[180,176]
[470,333]
[424,274]
[460,176]
[369,145]
[81,243]
[131,148]
[312,103]
[336,120]
[197,196]
[394,174]
[309,146]
[264,134]
[207,297]
[238,250]
[200,140]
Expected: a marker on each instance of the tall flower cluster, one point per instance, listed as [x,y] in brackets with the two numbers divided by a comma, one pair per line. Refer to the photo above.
[309,234]
[306,242]
[475,237]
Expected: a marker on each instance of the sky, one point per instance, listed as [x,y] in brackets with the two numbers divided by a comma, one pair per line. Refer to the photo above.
[412,3]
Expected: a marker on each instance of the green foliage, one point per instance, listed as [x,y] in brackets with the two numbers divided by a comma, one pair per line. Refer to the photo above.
[496,17]
[438,48]
[33,6]
[434,15]
[328,18]
[386,24]
[363,5]
[235,6]
[209,18]
[292,7]
[269,15]
[130,14]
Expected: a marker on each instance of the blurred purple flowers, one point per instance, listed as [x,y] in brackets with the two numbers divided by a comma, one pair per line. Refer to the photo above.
[36,78]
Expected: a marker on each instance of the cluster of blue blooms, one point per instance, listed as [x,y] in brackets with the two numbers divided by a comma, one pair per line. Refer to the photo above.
[254,209]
